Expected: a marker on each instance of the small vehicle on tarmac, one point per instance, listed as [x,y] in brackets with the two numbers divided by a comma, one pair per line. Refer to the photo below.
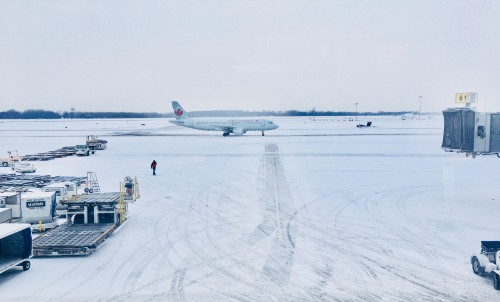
[488,261]
[12,159]
[95,143]
[82,150]
[24,167]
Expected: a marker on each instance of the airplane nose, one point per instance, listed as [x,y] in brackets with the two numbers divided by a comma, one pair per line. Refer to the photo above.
[276,126]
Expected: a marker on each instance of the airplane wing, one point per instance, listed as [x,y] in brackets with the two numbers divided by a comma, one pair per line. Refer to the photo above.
[225,129]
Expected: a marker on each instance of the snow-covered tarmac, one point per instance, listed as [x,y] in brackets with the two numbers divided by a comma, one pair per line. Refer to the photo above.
[315,210]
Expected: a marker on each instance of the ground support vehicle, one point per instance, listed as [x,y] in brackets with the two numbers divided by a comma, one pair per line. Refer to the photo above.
[15,246]
[96,144]
[24,167]
[72,240]
[11,159]
[82,150]
[488,261]
[90,220]
[368,124]
[130,189]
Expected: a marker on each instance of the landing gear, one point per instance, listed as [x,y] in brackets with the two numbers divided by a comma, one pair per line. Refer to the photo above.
[225,134]
[262,133]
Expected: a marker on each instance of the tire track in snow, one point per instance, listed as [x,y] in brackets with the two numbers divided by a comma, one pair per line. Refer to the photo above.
[276,203]
[177,285]
[322,234]
[192,216]
[128,284]
[403,235]
[97,270]
[197,252]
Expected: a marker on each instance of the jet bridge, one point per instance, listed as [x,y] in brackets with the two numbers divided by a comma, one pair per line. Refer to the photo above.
[470,132]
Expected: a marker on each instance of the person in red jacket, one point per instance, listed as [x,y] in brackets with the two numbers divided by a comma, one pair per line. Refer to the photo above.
[153,166]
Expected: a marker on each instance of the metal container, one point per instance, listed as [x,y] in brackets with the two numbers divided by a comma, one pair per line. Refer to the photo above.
[38,206]
[13,201]
[5,215]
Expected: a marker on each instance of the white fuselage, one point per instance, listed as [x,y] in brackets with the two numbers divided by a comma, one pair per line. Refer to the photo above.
[226,124]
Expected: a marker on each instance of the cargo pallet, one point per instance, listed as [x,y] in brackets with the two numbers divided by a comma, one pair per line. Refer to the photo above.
[38,181]
[72,240]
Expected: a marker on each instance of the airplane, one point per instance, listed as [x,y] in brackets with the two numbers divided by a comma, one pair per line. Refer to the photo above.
[409,116]
[234,126]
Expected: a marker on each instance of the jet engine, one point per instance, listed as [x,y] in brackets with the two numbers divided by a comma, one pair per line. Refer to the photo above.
[238,131]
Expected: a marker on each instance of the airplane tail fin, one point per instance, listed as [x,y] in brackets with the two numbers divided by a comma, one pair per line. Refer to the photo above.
[179,112]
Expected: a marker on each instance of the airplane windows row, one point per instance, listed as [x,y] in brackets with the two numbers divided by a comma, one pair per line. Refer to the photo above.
[211,123]
[245,122]
[231,122]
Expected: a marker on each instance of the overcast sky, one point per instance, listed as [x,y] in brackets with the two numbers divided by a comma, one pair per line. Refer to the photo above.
[250,55]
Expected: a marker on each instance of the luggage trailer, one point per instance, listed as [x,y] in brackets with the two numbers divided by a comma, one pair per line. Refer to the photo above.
[72,240]
[15,246]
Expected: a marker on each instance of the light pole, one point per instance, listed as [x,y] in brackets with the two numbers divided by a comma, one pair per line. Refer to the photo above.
[356,110]
[419,106]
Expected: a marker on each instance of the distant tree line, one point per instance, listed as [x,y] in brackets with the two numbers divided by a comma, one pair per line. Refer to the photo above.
[338,113]
[237,113]
[29,114]
[89,115]
[44,114]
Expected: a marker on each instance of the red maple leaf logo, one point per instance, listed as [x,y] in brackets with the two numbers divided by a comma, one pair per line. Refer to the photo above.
[178,112]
